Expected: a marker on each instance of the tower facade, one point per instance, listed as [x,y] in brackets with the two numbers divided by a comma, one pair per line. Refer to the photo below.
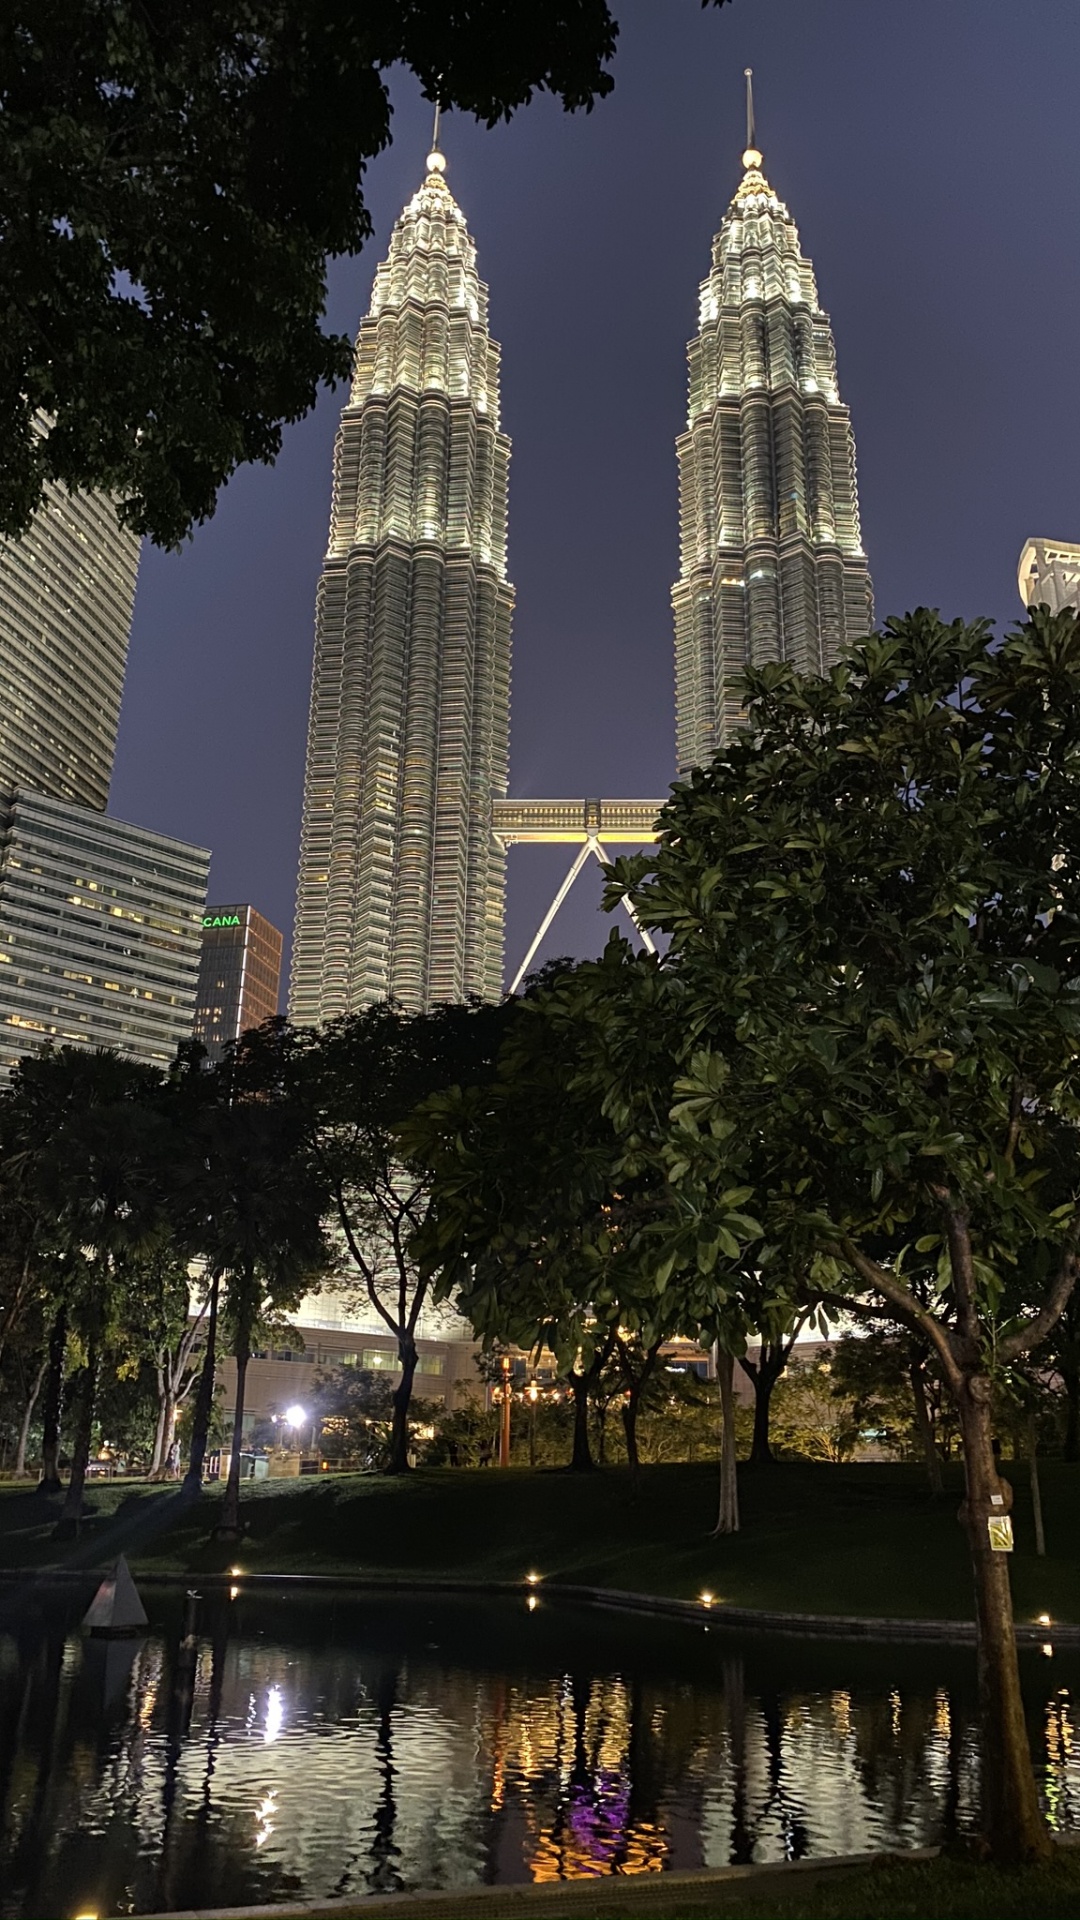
[67,589]
[771,558]
[401,877]
[239,975]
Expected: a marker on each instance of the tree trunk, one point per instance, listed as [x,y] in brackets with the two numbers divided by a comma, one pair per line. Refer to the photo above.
[1072,1412]
[229,1523]
[1036,1491]
[399,1426]
[54,1406]
[925,1426]
[761,1453]
[165,1435]
[1013,1823]
[204,1400]
[728,1517]
[71,1512]
[629,1420]
[581,1460]
[28,1414]
[157,1457]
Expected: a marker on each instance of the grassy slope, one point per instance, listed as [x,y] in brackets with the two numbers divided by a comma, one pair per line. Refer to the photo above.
[931,1890]
[816,1539]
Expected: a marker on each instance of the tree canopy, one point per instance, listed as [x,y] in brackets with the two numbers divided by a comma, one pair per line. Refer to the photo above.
[173,176]
[873,904]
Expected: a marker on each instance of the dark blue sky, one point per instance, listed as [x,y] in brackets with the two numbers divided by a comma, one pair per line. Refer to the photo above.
[928,150]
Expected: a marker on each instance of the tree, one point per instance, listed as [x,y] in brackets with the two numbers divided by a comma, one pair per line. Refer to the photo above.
[176,173]
[892,1384]
[873,904]
[351,1087]
[550,1202]
[815,1417]
[94,1141]
[763,1372]
[261,1233]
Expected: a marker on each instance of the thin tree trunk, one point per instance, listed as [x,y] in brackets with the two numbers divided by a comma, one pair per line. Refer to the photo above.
[1036,1491]
[728,1517]
[158,1455]
[28,1414]
[399,1425]
[924,1426]
[229,1522]
[53,1408]
[71,1512]
[204,1399]
[635,1387]
[630,1420]
[761,1453]
[165,1435]
[581,1460]
[1072,1413]
[1013,1822]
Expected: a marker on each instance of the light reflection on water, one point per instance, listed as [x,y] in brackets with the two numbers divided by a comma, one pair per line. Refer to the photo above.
[340,1748]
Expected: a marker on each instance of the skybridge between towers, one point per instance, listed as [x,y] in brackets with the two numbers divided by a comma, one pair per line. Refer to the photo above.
[589,825]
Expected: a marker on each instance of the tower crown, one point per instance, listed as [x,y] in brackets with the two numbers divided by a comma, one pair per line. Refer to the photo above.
[772,566]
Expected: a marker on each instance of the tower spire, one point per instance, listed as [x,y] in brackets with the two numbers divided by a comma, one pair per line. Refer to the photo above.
[436,162]
[751,156]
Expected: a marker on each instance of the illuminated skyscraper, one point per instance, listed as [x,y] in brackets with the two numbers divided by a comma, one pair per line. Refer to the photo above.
[67,589]
[401,878]
[1049,573]
[772,565]
[100,921]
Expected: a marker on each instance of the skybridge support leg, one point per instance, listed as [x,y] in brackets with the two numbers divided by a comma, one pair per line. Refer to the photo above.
[593,846]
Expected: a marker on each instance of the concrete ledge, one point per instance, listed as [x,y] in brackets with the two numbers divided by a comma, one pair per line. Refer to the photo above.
[560,1896]
[820,1626]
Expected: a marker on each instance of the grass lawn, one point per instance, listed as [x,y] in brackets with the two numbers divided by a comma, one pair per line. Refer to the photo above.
[924,1890]
[816,1539]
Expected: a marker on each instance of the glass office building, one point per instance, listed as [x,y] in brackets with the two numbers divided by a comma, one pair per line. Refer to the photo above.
[100,932]
[67,590]
[771,559]
[401,881]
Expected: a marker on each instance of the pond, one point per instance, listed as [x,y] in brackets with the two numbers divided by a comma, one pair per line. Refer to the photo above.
[341,1746]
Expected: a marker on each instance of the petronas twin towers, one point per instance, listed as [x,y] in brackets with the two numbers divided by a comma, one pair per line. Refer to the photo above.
[405,826]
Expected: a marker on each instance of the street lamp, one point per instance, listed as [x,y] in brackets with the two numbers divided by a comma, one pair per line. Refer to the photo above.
[504,1422]
[296,1417]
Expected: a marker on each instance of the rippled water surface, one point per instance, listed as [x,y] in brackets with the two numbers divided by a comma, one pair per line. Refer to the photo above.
[338,1747]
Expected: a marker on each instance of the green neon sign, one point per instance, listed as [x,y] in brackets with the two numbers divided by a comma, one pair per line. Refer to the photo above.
[221,920]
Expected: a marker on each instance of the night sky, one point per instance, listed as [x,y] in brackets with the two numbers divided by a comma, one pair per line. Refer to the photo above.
[928,151]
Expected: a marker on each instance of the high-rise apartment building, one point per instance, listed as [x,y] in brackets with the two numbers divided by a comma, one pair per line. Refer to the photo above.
[67,589]
[401,878]
[771,558]
[1049,573]
[100,932]
[239,976]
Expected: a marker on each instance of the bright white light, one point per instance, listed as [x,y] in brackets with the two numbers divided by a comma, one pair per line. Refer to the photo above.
[295,1416]
[275,1715]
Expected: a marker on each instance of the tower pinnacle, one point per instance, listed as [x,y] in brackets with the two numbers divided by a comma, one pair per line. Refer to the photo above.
[751,156]
[436,160]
